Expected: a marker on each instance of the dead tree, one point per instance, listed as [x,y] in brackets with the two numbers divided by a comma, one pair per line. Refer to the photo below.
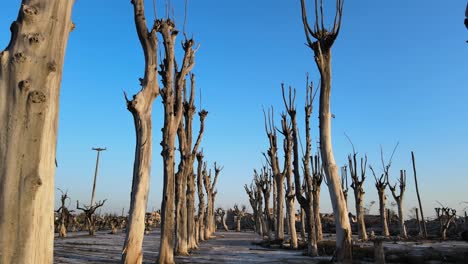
[90,217]
[423,221]
[317,179]
[173,80]
[30,77]
[211,194]
[140,106]
[358,187]
[272,159]
[445,216]
[381,184]
[255,201]
[222,214]
[286,131]
[264,181]
[399,201]
[306,201]
[201,199]
[114,223]
[322,45]
[191,176]
[239,214]
[185,187]
[65,215]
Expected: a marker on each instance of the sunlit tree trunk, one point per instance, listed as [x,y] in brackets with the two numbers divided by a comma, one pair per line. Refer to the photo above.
[141,108]
[30,77]
[322,45]
[201,199]
[399,201]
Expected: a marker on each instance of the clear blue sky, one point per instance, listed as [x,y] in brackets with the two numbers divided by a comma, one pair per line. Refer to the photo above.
[400,73]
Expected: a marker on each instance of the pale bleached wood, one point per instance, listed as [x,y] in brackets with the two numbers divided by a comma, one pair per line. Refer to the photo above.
[30,77]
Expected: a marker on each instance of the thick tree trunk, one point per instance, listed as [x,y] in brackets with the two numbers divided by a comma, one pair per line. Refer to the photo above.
[166,254]
[141,108]
[359,202]
[317,217]
[209,216]
[279,232]
[181,209]
[223,220]
[343,228]
[292,220]
[30,77]
[401,220]
[383,212]
[192,241]
[238,224]
[275,205]
[303,224]
[201,199]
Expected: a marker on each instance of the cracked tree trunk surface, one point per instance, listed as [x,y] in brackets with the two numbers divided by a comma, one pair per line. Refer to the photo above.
[30,77]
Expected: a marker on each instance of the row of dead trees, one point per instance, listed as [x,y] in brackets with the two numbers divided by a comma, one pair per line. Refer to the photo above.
[182,228]
[300,176]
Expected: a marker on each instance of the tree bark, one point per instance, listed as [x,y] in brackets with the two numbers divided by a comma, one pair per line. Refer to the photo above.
[141,108]
[30,77]
[201,198]
[343,228]
[383,212]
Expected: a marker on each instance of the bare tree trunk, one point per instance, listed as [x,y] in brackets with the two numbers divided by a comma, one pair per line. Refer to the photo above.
[399,201]
[303,224]
[192,241]
[279,232]
[201,198]
[141,108]
[275,205]
[317,216]
[30,77]
[383,212]
[424,229]
[419,222]
[223,220]
[322,52]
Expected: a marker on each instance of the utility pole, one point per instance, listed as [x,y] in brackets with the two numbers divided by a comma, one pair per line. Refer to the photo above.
[96,172]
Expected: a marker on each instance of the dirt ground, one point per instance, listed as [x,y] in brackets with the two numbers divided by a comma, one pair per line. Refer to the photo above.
[233,247]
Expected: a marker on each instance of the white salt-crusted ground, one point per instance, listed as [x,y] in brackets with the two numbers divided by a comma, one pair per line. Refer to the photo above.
[227,247]
[232,247]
